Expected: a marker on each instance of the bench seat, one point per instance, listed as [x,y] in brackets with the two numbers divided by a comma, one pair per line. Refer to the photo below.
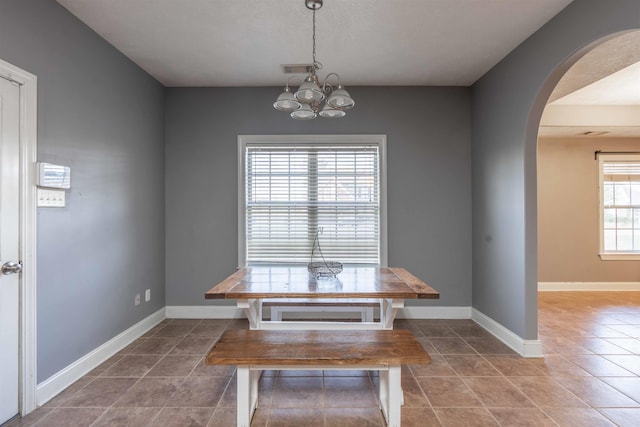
[253,351]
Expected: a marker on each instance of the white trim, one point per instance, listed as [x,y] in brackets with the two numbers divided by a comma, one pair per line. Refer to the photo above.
[379,139]
[232,312]
[588,286]
[611,256]
[204,312]
[426,312]
[602,158]
[28,156]
[526,348]
[59,381]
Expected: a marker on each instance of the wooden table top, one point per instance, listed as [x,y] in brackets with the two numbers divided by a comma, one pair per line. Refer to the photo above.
[300,348]
[296,282]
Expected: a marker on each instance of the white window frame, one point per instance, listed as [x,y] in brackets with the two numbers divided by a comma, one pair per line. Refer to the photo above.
[604,255]
[244,140]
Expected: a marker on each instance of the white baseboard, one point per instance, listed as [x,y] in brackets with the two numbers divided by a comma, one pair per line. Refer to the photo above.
[53,385]
[232,312]
[525,348]
[588,286]
[428,312]
[204,312]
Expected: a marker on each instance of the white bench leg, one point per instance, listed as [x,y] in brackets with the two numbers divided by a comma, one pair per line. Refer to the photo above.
[247,395]
[390,395]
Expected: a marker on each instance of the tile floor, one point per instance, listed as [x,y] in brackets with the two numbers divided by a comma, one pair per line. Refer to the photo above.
[590,376]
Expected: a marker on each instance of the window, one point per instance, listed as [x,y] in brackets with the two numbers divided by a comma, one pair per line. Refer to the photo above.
[293,188]
[619,206]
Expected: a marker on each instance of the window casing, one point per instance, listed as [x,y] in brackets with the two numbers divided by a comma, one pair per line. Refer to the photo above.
[294,186]
[619,206]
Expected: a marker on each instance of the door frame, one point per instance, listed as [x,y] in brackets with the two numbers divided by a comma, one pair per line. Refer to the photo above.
[28,157]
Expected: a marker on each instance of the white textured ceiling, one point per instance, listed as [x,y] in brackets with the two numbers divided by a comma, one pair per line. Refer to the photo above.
[368,42]
[599,96]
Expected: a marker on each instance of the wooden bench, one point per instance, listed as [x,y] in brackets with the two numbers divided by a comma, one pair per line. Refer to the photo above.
[253,351]
[279,306]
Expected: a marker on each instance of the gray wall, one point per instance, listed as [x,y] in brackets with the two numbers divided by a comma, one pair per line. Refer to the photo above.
[103,116]
[429,188]
[507,103]
[568,206]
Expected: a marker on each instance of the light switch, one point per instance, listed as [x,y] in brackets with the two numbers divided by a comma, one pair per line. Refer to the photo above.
[51,198]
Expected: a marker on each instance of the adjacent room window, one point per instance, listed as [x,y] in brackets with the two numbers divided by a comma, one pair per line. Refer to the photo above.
[296,187]
[619,206]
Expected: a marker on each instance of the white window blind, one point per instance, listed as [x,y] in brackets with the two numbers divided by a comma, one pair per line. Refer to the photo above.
[295,190]
[620,204]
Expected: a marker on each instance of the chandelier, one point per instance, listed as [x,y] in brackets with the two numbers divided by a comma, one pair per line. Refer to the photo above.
[313,99]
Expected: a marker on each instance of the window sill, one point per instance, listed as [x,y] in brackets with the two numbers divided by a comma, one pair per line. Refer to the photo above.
[620,257]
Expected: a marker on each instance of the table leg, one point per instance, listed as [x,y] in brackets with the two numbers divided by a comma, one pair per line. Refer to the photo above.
[253,311]
[389,310]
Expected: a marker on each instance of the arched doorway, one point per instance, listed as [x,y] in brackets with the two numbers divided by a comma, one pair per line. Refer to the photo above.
[591,113]
[507,104]
[593,108]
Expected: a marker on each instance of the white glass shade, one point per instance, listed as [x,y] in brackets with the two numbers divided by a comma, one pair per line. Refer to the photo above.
[309,91]
[304,113]
[286,102]
[331,113]
[340,99]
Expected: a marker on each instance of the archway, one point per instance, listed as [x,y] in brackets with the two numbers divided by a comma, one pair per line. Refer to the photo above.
[551,90]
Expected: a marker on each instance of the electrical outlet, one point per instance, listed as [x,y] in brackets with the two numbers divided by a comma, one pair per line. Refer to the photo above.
[147,295]
[136,301]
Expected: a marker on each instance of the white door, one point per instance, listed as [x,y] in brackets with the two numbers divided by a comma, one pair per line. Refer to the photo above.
[9,247]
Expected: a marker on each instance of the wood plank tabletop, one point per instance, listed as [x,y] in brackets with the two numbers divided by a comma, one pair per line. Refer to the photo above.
[317,347]
[296,282]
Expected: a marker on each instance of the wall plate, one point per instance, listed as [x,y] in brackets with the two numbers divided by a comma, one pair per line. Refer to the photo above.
[51,198]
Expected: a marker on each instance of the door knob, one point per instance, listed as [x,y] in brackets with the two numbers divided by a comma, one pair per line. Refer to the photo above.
[11,268]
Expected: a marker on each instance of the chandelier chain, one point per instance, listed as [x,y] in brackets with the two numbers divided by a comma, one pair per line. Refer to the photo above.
[314,38]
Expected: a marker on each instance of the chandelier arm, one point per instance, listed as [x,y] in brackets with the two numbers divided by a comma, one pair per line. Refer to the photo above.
[326,87]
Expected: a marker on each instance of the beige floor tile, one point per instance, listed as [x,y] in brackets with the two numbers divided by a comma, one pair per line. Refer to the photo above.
[497,392]
[448,392]
[353,417]
[471,366]
[599,366]
[349,392]
[596,393]
[438,367]
[126,417]
[149,392]
[131,365]
[181,417]
[465,417]
[66,417]
[509,365]
[583,417]
[522,417]
[298,392]
[292,417]
[628,386]
[174,366]
[547,392]
[622,417]
[451,346]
